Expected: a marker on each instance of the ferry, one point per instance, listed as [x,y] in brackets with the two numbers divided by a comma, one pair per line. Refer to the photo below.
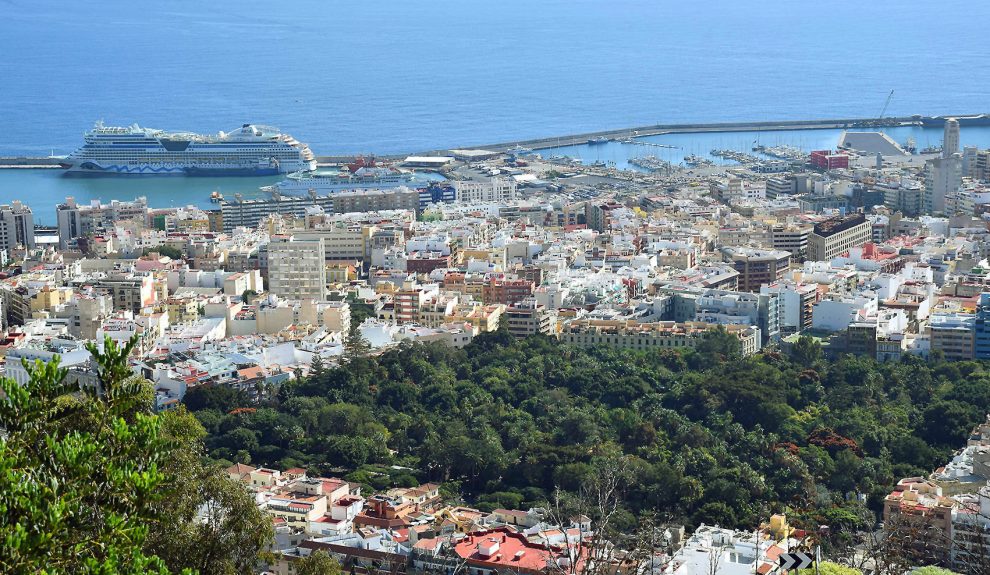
[328,181]
[250,150]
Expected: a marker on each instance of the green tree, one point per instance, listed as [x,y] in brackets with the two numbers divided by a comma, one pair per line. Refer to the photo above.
[222,398]
[92,482]
[355,345]
[167,251]
[79,474]
[829,568]
[206,521]
[806,351]
[318,563]
[933,571]
[718,345]
[248,295]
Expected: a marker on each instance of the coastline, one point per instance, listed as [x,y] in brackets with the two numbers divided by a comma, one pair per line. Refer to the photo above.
[28,162]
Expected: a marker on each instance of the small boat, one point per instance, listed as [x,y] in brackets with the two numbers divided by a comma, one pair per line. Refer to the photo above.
[216,197]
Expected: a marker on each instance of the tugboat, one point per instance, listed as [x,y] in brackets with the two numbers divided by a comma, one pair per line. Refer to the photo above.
[216,197]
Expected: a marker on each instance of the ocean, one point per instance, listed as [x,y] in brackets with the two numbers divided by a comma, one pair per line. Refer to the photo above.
[413,75]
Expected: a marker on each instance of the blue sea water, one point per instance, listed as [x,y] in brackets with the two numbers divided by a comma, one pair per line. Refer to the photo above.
[403,76]
[407,75]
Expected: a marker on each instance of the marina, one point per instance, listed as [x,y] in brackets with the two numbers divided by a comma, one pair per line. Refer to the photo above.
[689,148]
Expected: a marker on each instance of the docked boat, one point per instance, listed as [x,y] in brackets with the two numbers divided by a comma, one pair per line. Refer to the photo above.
[250,150]
[598,140]
[695,161]
[324,182]
[519,150]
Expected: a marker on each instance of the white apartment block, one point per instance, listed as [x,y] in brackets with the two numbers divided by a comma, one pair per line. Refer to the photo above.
[297,268]
[495,190]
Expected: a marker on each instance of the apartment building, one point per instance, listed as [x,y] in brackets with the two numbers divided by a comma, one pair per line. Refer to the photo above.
[297,268]
[630,334]
[527,318]
[16,227]
[834,236]
[791,238]
[953,335]
[78,220]
[249,213]
[496,190]
[506,291]
[756,267]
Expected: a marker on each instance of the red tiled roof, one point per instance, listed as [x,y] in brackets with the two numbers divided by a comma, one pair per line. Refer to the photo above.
[514,552]
[774,552]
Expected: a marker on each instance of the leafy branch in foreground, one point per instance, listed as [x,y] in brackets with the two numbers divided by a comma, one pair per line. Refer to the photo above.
[92,482]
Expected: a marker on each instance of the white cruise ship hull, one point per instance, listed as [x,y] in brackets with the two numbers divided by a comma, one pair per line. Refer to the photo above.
[247,151]
[89,167]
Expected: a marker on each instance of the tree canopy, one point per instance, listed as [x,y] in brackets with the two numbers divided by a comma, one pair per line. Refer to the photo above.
[712,436]
[92,482]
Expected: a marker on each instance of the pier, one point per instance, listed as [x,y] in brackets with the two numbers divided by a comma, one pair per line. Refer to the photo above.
[767,126]
[625,135]
[28,163]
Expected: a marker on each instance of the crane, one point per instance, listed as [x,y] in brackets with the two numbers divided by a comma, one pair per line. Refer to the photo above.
[884,109]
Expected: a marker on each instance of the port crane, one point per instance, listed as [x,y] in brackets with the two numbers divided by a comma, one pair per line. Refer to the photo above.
[884,109]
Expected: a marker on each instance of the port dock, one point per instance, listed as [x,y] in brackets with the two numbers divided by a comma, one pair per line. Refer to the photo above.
[661,129]
[28,162]
[626,134]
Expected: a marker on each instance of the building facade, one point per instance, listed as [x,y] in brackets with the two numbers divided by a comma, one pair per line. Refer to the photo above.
[834,236]
[16,227]
[297,268]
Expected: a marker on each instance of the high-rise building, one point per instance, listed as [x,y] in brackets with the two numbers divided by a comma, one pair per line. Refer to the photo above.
[943,177]
[950,140]
[836,235]
[16,226]
[297,268]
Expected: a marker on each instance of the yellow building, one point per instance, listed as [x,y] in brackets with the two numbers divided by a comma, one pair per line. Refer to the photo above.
[182,309]
[193,225]
[484,318]
[338,273]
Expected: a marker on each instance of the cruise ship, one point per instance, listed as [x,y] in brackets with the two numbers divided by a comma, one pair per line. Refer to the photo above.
[250,150]
[364,178]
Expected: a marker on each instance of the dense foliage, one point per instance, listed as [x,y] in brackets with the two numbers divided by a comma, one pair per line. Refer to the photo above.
[92,482]
[711,436]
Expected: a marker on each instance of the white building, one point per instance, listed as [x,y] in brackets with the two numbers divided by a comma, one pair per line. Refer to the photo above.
[495,190]
[297,268]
